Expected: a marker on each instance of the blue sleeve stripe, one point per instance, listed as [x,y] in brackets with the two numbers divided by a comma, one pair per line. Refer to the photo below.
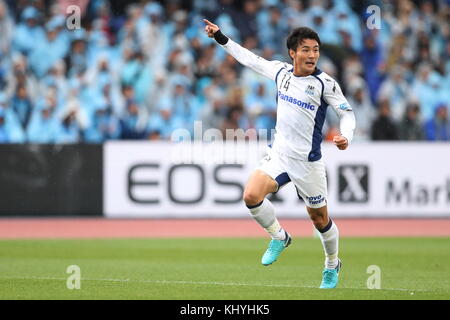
[323,86]
[276,77]
[319,121]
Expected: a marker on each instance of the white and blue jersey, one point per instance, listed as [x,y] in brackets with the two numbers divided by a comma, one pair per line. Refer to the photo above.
[302,103]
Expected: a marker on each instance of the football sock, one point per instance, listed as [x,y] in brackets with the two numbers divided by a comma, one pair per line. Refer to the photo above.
[330,241]
[264,214]
[276,231]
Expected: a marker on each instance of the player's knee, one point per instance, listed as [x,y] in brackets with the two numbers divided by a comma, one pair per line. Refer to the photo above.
[252,198]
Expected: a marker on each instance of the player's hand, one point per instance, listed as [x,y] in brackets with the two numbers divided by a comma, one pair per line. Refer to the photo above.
[210,28]
[341,142]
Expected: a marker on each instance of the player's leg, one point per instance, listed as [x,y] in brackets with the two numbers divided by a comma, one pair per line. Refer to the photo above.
[260,184]
[329,235]
[257,188]
[312,187]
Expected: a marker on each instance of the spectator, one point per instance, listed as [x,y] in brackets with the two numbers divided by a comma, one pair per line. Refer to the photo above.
[246,19]
[56,79]
[47,52]
[438,128]
[161,122]
[273,31]
[372,59]
[76,60]
[323,23]
[205,66]
[214,115]
[103,127]
[151,35]
[182,105]
[384,128]
[427,89]
[44,126]
[396,89]
[232,124]
[359,99]
[236,117]
[6,29]
[70,130]
[28,33]
[102,34]
[20,76]
[295,13]
[214,111]
[22,106]
[345,21]
[132,123]
[410,127]
[136,73]
[11,130]
[262,110]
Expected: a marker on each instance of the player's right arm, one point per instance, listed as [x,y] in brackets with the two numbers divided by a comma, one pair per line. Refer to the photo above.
[247,58]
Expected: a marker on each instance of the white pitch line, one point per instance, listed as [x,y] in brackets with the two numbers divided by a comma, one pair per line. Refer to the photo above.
[214,283]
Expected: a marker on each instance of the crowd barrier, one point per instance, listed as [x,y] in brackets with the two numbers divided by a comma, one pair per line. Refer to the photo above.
[124,179]
[51,180]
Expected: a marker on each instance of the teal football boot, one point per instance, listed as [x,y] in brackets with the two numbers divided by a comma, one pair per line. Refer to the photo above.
[274,250]
[331,277]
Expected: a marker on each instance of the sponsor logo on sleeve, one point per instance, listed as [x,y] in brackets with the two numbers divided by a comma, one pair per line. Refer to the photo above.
[345,107]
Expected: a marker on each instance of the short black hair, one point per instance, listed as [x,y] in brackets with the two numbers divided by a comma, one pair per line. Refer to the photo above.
[298,35]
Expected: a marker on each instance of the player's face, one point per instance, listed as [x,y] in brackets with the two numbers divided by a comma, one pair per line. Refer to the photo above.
[306,56]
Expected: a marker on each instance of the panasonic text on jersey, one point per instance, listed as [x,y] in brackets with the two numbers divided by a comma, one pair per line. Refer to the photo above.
[297,102]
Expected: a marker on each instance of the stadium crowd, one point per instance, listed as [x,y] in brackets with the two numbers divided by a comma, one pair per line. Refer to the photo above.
[147,68]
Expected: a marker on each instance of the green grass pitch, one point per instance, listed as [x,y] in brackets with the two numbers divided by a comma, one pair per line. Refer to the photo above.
[216,269]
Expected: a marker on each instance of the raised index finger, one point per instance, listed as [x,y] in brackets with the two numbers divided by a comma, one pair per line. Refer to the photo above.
[208,22]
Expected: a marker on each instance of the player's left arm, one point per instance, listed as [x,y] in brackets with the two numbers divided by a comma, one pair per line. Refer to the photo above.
[335,98]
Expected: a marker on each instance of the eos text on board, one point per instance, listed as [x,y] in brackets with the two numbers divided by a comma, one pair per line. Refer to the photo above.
[134,182]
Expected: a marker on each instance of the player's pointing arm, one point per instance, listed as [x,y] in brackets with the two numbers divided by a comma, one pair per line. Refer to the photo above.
[244,56]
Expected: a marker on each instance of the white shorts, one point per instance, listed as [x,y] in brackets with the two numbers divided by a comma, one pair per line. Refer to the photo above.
[309,178]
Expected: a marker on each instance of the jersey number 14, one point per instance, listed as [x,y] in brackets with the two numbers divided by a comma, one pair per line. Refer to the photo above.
[285,84]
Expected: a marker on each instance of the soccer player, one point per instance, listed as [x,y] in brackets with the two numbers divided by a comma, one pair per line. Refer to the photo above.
[304,92]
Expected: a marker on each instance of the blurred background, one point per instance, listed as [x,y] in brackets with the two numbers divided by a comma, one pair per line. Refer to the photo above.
[70,86]
[137,70]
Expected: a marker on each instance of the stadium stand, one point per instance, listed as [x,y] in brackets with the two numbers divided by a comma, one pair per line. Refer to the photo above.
[140,70]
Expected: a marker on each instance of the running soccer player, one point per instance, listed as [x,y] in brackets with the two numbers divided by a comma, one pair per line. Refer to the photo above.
[304,93]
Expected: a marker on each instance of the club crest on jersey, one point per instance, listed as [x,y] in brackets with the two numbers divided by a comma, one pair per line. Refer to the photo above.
[310,90]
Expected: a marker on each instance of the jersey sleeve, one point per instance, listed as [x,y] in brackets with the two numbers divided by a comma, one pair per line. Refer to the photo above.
[269,69]
[335,98]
